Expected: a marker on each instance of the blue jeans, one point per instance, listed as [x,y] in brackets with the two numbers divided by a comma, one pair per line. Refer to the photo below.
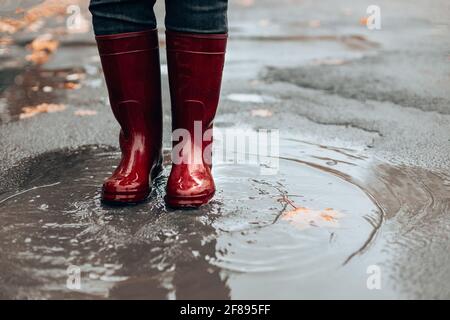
[191,16]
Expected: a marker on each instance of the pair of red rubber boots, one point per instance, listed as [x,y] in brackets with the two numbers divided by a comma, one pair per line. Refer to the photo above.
[131,68]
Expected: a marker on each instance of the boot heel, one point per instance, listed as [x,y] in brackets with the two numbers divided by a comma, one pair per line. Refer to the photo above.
[187,202]
[124,199]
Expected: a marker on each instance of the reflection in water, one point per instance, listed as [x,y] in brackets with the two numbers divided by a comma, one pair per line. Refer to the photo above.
[262,236]
[33,87]
[57,220]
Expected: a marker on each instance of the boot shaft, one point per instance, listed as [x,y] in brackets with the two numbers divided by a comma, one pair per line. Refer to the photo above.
[195,65]
[131,65]
[132,71]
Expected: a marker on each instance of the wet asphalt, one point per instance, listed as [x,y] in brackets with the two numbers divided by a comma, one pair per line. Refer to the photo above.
[364,122]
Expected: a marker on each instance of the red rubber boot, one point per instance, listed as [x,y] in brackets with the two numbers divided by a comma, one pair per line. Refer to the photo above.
[195,63]
[131,67]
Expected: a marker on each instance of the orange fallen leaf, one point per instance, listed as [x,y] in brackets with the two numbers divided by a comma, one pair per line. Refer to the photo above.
[71,85]
[44,42]
[28,112]
[85,112]
[261,113]
[4,41]
[38,57]
[304,218]
[363,21]
[45,9]
[42,47]
[9,26]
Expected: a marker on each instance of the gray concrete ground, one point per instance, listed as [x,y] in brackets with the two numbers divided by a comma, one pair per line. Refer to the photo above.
[375,103]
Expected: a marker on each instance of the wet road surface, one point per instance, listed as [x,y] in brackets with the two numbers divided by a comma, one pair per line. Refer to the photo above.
[362,178]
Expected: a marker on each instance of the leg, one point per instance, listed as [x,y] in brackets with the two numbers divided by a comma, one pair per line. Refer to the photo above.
[196,39]
[129,53]
[197,16]
[120,16]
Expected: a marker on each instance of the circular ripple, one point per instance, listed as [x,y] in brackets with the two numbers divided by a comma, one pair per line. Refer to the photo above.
[54,219]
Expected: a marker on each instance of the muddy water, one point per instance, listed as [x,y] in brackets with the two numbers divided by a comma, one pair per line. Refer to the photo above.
[302,232]
[32,87]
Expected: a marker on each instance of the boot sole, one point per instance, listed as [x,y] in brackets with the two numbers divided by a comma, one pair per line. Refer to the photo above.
[124,198]
[187,202]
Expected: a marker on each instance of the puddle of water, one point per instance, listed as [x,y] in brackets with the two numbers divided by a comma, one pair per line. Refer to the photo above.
[249,242]
[33,87]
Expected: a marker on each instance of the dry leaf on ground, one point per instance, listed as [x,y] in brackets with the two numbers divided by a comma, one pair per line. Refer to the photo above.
[28,112]
[46,9]
[304,218]
[42,47]
[363,21]
[9,25]
[85,112]
[5,41]
[72,85]
[261,113]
